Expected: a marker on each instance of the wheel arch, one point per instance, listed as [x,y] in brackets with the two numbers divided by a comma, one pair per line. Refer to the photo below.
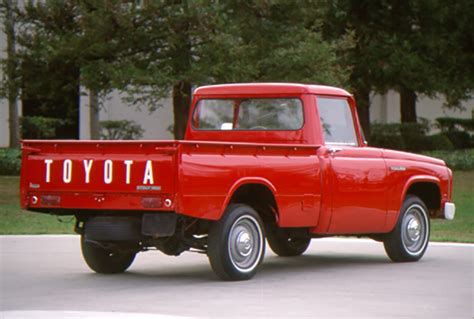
[259,193]
[428,189]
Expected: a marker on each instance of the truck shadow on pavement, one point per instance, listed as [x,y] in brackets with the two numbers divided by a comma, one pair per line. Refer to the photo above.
[272,266]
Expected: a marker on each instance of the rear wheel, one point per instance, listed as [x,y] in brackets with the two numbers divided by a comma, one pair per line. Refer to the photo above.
[105,261]
[409,240]
[286,246]
[236,244]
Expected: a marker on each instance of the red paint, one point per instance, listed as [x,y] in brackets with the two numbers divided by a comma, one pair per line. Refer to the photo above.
[357,190]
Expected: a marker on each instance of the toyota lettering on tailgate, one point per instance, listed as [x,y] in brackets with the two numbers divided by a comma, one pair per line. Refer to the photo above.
[108,170]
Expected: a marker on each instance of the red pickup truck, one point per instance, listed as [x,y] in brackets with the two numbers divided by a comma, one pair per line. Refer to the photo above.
[281,162]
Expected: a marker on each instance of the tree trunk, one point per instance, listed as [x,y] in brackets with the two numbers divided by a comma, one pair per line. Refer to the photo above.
[181,103]
[14,123]
[362,97]
[94,115]
[11,74]
[408,105]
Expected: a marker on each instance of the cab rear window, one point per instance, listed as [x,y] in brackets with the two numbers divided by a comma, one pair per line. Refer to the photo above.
[248,114]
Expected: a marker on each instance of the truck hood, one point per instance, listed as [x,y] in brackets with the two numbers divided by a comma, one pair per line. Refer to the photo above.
[399,155]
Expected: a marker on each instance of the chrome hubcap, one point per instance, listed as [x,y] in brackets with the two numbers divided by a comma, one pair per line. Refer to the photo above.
[245,244]
[415,229]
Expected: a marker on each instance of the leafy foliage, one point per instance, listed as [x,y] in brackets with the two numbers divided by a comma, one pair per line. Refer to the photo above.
[409,137]
[457,160]
[10,161]
[459,131]
[160,47]
[39,127]
[149,50]
[387,136]
[120,130]
[414,47]
[447,124]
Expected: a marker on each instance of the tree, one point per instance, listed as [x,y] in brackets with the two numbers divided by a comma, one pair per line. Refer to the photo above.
[246,41]
[10,86]
[205,42]
[412,46]
[359,20]
[453,45]
[165,47]
[112,45]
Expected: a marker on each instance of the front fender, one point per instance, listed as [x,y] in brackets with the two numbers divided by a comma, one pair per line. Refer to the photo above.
[392,216]
[417,179]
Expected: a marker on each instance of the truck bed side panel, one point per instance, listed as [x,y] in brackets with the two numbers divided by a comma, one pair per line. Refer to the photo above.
[209,171]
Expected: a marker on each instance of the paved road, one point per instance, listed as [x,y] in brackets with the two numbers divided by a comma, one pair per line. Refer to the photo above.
[335,278]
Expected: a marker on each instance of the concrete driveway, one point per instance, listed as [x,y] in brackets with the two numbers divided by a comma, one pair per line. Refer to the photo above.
[45,277]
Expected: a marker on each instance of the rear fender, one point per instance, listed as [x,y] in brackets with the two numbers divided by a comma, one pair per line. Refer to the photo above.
[246,181]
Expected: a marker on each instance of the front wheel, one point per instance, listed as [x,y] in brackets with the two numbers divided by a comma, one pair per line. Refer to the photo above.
[236,243]
[105,261]
[409,240]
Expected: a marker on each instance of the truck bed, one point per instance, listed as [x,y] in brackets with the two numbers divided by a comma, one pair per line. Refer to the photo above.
[193,178]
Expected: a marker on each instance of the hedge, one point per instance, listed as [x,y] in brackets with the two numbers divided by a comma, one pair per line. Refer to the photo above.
[10,161]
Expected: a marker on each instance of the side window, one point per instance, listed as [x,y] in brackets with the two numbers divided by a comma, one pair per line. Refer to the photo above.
[337,122]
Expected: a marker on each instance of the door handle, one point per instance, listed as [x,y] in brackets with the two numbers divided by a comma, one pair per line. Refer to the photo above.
[334,150]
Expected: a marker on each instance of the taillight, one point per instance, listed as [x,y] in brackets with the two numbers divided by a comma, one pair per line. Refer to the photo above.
[152,202]
[50,200]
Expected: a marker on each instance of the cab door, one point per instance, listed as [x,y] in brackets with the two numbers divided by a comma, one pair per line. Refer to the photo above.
[357,174]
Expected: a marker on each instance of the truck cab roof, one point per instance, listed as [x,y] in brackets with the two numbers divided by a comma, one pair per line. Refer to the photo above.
[242,89]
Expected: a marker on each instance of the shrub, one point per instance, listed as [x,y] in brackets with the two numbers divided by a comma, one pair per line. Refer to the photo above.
[460,139]
[439,142]
[459,131]
[40,127]
[447,124]
[387,136]
[10,161]
[456,160]
[120,130]
[401,136]
[414,135]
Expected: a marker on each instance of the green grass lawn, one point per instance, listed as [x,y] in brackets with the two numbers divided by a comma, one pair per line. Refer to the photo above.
[461,229]
[13,220]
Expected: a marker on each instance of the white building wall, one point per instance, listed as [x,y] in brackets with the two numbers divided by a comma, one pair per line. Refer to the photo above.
[84,123]
[433,108]
[4,114]
[386,108]
[4,135]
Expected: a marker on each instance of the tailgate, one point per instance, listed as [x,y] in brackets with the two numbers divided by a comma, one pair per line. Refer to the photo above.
[98,175]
